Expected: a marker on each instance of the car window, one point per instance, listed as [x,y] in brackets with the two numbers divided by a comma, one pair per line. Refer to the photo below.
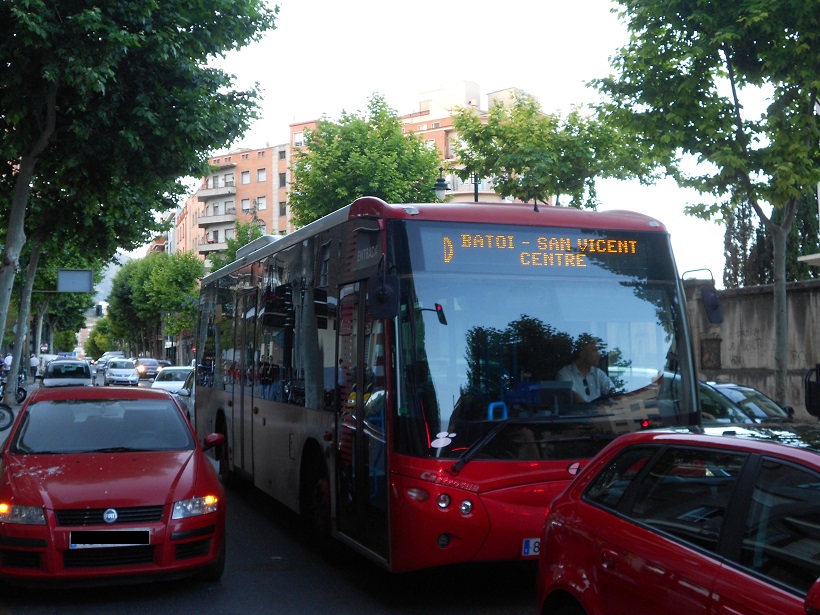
[73,426]
[609,486]
[717,408]
[686,491]
[782,531]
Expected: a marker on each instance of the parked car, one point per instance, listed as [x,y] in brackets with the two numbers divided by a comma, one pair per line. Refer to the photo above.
[146,368]
[121,371]
[717,409]
[171,378]
[108,486]
[686,522]
[67,372]
[759,407]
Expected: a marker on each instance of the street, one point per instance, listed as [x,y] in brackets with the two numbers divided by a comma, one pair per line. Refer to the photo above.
[272,567]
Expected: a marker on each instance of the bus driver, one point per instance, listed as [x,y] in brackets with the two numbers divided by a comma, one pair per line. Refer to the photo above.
[589,382]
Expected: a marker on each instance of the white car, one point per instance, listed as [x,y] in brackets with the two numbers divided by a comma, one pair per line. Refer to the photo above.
[121,371]
[66,373]
[171,378]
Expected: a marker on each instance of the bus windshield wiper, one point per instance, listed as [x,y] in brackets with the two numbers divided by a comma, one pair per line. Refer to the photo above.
[479,444]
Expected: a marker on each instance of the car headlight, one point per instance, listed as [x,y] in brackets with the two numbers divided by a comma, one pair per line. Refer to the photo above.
[195,507]
[22,515]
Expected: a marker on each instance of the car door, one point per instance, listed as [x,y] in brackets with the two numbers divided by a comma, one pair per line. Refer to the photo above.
[660,554]
[777,557]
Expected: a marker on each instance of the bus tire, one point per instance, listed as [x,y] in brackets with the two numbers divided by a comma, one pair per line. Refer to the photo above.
[315,503]
[223,455]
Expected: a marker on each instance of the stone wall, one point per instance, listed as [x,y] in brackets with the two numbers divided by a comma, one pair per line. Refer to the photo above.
[741,348]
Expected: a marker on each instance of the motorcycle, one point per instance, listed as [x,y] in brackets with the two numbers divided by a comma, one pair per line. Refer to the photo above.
[21,392]
[6,416]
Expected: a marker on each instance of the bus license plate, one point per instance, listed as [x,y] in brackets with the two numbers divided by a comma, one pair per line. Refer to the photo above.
[531,547]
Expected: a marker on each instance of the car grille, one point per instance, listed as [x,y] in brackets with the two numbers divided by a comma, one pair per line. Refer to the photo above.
[94,516]
[108,557]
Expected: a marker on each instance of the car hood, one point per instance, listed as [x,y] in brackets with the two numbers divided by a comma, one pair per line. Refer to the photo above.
[100,479]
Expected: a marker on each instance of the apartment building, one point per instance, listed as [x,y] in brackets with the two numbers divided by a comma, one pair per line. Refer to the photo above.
[252,184]
[247,185]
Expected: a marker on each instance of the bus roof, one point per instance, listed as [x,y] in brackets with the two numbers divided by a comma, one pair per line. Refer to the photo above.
[497,212]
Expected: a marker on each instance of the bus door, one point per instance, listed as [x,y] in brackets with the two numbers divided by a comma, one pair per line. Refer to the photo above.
[243,378]
[361,425]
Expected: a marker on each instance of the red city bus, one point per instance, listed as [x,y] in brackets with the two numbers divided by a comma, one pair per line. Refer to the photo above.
[393,373]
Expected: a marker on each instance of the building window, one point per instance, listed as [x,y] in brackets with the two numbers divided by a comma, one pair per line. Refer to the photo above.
[229,208]
[298,139]
[263,228]
[436,124]
[283,180]
[260,154]
[216,209]
[229,234]
[246,204]
[283,208]
[229,179]
[261,202]
[261,175]
[215,236]
[214,182]
[244,156]
[246,177]
[282,154]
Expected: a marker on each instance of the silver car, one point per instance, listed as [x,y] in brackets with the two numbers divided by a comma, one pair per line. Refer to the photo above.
[66,373]
[121,371]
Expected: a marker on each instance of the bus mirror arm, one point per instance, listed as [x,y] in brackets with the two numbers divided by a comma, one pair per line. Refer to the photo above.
[383,296]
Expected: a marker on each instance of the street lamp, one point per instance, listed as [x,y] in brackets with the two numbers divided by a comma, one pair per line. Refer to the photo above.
[441,186]
[476,180]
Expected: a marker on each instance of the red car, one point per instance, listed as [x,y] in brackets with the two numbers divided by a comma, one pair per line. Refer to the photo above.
[689,523]
[101,485]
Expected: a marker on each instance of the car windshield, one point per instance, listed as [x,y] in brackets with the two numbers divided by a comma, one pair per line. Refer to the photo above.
[121,365]
[754,402]
[111,425]
[172,375]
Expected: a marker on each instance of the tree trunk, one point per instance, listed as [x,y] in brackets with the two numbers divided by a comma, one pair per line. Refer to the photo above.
[781,316]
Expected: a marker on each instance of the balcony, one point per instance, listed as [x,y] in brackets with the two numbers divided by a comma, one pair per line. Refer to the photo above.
[204,220]
[204,194]
[206,247]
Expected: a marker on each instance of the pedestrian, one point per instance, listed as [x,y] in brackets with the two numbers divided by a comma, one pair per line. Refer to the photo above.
[33,363]
[7,361]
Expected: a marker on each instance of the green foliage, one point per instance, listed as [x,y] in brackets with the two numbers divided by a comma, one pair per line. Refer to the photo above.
[152,294]
[65,340]
[360,155]
[531,155]
[99,339]
[243,235]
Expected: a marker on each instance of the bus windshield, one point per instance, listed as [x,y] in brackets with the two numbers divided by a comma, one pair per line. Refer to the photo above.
[532,343]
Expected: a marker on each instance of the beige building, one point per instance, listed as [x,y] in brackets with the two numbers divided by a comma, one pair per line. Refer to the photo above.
[252,184]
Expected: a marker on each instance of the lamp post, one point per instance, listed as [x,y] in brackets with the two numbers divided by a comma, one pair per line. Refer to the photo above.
[441,186]
[476,180]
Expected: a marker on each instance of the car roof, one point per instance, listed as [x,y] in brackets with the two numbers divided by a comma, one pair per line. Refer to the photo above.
[92,393]
[798,441]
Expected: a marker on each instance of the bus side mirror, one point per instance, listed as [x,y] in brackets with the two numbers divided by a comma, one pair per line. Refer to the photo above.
[383,296]
[711,303]
[812,390]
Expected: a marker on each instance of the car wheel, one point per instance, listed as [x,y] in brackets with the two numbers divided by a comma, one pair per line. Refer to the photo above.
[568,608]
[213,571]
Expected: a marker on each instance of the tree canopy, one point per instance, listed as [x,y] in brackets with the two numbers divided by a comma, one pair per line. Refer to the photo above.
[532,155]
[105,107]
[244,233]
[360,155]
[724,96]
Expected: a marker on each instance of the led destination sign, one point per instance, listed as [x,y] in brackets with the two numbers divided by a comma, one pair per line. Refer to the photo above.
[526,250]
[539,251]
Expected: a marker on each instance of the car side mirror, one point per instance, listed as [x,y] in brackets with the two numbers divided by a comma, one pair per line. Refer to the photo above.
[212,440]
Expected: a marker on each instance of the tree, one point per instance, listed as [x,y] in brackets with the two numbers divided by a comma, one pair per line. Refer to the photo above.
[531,155]
[360,155]
[121,93]
[173,290]
[99,340]
[243,235]
[686,85]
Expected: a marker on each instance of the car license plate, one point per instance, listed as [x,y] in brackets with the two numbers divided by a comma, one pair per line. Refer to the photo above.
[531,547]
[90,539]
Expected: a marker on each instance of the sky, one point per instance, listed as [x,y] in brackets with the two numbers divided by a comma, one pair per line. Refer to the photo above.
[326,56]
